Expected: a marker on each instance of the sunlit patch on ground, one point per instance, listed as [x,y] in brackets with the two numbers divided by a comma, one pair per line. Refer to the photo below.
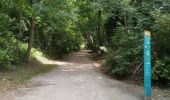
[66,65]
[44,60]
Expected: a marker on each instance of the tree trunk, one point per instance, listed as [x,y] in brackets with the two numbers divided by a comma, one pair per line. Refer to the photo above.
[31,39]
[99,33]
[47,44]
[90,42]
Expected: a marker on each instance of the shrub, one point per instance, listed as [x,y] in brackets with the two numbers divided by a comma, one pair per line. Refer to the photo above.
[161,70]
[126,50]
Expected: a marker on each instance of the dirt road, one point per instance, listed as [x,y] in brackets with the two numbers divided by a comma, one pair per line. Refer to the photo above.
[75,79]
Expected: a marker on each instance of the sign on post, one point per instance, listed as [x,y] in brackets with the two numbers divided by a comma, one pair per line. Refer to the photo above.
[147,65]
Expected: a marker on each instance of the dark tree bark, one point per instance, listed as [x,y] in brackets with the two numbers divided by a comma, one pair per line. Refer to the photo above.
[31,39]
[99,32]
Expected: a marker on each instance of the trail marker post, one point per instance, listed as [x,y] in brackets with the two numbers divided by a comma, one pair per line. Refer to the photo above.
[147,65]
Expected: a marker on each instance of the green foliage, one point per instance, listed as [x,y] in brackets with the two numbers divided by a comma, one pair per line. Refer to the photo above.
[6,41]
[161,39]
[55,31]
[7,45]
[126,47]
[66,43]
[125,50]
[161,69]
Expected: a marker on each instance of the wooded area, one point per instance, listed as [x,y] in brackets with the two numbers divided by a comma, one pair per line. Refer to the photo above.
[113,28]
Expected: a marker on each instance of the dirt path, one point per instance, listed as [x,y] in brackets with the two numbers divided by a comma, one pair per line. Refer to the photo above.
[75,79]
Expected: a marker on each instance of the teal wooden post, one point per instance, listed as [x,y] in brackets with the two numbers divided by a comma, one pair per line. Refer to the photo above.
[147,65]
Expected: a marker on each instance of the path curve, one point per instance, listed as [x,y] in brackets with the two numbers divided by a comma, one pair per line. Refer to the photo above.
[75,79]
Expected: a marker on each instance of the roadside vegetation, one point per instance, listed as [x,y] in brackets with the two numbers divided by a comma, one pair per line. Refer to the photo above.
[19,74]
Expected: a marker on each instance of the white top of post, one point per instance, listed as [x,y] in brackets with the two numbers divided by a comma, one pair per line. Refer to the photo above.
[147,33]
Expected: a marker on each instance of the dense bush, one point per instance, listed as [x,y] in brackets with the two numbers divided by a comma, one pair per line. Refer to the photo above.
[66,43]
[125,52]
[6,41]
[161,46]
[161,70]
[125,49]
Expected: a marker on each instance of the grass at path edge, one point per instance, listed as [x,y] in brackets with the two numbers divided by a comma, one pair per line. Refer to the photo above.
[20,74]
